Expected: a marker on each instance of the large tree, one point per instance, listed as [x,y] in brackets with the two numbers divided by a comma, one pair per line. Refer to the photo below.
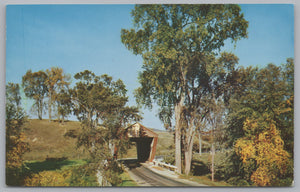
[35,87]
[178,43]
[56,82]
[101,105]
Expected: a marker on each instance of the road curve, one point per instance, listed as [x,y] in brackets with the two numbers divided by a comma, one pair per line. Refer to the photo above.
[147,177]
[154,179]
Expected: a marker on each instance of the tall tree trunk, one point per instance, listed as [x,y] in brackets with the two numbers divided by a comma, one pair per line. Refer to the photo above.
[59,113]
[213,162]
[200,143]
[189,141]
[178,110]
[213,151]
[39,114]
[50,106]
[40,109]
[188,154]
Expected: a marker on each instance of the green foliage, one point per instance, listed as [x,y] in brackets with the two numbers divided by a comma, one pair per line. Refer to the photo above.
[16,144]
[267,91]
[57,173]
[13,94]
[178,44]
[170,158]
[112,172]
[260,114]
[127,181]
[35,87]
[64,104]
[237,181]
[285,121]
[56,81]
[52,84]
[15,176]
[99,99]
[82,176]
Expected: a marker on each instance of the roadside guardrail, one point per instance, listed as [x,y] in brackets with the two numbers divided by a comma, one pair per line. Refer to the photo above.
[165,165]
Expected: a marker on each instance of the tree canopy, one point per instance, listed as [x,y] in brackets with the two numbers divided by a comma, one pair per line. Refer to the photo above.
[260,123]
[101,105]
[178,44]
[56,81]
[34,84]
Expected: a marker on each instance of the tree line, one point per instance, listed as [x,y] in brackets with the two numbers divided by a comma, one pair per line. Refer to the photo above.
[99,102]
[51,84]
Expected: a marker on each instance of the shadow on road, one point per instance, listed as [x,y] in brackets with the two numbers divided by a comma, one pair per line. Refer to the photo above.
[131,163]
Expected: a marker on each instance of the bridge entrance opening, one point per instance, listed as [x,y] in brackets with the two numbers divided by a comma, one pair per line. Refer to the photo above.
[145,139]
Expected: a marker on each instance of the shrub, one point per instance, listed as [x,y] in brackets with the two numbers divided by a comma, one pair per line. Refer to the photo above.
[49,179]
[237,181]
[71,133]
[170,158]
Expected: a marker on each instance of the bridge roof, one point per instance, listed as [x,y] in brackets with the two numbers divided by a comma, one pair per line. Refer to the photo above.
[139,130]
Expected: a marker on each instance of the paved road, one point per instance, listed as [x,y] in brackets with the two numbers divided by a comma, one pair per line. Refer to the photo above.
[154,179]
[147,177]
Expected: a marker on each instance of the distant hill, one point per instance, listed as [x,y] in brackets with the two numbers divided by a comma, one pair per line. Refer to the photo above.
[158,130]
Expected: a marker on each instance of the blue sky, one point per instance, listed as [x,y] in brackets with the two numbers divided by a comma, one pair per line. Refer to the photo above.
[270,35]
[79,37]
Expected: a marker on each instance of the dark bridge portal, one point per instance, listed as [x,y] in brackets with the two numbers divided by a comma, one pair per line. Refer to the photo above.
[146,141]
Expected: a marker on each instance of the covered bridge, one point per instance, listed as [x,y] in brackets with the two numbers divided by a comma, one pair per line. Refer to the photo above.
[146,141]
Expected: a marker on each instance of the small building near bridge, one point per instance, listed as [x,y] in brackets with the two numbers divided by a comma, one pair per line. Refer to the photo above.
[146,141]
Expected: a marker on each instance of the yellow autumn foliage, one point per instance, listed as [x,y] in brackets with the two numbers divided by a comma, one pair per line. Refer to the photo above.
[49,179]
[245,149]
[266,148]
[15,153]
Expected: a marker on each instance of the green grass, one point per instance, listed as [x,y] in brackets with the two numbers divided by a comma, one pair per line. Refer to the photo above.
[127,181]
[165,142]
[205,180]
[61,172]
[39,166]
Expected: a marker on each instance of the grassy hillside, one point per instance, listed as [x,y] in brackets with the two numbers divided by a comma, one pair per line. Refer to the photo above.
[46,139]
[165,142]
